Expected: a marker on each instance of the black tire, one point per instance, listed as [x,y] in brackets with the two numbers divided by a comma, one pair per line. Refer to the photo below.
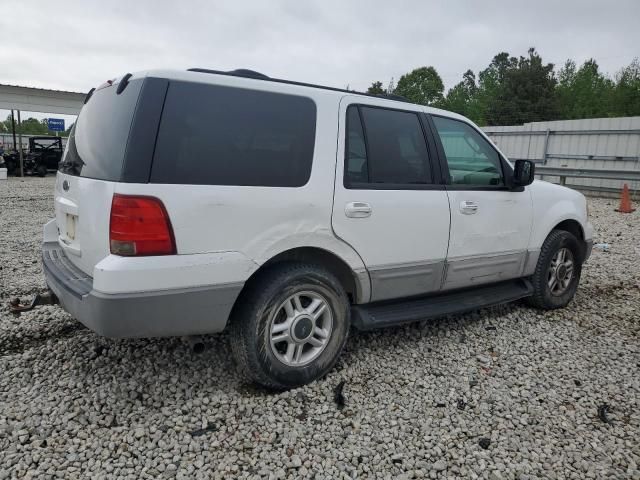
[252,316]
[543,297]
[11,167]
[41,170]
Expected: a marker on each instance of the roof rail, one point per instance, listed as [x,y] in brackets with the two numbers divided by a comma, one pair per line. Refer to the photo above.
[241,72]
[238,72]
[393,96]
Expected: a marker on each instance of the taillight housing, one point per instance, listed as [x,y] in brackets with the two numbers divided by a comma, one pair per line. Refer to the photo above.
[140,226]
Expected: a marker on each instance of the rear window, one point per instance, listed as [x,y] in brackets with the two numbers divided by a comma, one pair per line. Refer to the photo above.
[98,140]
[217,135]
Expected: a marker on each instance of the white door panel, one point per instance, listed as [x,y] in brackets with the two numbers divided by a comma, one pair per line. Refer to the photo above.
[400,234]
[488,245]
[499,223]
[490,224]
[403,227]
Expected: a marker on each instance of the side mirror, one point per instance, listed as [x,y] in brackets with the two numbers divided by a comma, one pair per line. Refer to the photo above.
[523,173]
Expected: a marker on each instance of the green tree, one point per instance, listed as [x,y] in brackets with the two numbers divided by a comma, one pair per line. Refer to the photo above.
[514,90]
[422,85]
[490,84]
[626,93]
[463,98]
[33,126]
[524,91]
[584,92]
[29,126]
[376,89]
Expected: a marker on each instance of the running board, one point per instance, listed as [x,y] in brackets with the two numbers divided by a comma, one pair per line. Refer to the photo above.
[386,314]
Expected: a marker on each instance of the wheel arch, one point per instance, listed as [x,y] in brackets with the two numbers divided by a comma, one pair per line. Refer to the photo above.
[572,226]
[355,282]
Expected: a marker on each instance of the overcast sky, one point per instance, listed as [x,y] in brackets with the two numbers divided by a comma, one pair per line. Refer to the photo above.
[77,44]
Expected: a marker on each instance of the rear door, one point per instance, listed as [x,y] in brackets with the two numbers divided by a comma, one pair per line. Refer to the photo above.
[490,222]
[389,204]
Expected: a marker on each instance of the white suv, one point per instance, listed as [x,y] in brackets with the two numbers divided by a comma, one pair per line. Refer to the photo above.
[188,202]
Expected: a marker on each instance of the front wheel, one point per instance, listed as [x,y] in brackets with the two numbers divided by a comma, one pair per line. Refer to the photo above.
[290,326]
[558,270]
[41,170]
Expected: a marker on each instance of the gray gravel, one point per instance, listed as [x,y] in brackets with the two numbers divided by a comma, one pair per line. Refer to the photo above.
[503,393]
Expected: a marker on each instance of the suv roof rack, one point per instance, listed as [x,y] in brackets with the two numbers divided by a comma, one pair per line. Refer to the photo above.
[243,72]
[393,96]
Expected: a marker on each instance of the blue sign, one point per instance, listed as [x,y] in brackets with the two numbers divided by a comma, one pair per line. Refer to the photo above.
[55,124]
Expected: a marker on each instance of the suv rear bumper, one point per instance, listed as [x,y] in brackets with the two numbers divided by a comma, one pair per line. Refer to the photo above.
[161,313]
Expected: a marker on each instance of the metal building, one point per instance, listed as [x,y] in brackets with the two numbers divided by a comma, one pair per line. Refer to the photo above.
[13,97]
[596,143]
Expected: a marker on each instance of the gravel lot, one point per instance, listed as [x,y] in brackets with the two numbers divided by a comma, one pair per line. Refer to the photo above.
[507,392]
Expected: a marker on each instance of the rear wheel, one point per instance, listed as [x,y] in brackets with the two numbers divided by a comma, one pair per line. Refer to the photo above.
[558,270]
[41,170]
[290,326]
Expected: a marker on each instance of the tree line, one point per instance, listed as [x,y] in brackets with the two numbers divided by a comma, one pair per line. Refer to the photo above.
[516,90]
[30,126]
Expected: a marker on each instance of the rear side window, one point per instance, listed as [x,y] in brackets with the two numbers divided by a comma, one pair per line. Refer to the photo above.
[217,135]
[97,142]
[357,168]
[395,153]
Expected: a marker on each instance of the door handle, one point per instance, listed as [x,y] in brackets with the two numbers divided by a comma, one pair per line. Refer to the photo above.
[357,210]
[468,207]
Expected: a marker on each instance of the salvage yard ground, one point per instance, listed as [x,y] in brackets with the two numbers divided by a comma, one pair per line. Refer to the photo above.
[507,392]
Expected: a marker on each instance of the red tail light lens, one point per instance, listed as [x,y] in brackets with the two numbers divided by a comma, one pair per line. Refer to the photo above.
[140,226]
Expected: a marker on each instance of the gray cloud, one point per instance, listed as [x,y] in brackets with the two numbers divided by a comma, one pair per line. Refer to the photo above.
[78,44]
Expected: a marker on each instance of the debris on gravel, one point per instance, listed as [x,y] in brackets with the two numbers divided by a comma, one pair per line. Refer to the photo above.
[508,392]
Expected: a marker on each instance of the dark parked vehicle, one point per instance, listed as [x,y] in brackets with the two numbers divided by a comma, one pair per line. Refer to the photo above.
[44,155]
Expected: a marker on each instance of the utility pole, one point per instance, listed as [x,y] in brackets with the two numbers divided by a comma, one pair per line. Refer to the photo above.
[20,149]
[13,129]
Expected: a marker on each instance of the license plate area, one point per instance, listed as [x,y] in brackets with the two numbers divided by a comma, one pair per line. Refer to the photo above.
[71,223]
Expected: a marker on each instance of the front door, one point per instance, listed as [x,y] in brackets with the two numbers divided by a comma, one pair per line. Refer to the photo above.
[490,223]
[389,204]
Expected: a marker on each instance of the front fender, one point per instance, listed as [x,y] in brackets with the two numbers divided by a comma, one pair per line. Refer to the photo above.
[553,204]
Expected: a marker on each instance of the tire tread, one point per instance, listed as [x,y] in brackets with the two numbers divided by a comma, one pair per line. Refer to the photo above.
[538,278]
[258,291]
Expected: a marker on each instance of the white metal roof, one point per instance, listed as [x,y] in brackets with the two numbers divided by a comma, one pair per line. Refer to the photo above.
[40,100]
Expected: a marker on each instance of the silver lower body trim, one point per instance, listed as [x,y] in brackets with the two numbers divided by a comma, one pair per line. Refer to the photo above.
[406,280]
[471,271]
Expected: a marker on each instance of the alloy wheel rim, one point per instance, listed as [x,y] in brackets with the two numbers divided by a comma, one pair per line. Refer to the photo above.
[300,328]
[560,271]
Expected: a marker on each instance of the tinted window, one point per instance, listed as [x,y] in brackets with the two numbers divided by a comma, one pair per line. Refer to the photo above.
[396,151]
[229,136]
[356,152]
[98,140]
[471,159]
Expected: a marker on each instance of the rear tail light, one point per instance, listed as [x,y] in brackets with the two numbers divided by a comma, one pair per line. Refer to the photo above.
[140,226]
